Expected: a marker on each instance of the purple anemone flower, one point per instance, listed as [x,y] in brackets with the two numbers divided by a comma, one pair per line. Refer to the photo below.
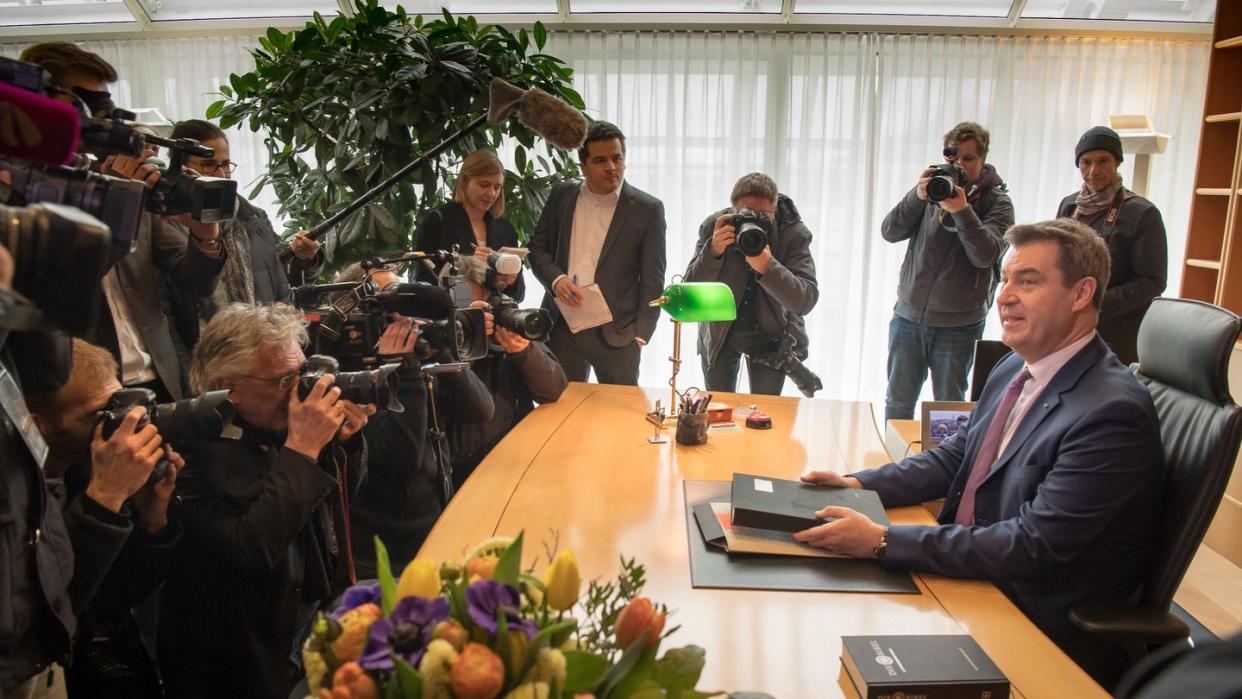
[406,632]
[487,597]
[357,596]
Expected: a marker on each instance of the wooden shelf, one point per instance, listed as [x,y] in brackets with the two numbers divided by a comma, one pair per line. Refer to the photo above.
[1203,264]
[1221,118]
[1214,191]
[1229,43]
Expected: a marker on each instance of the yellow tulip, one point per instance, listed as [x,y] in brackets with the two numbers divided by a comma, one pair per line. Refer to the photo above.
[421,578]
[563,581]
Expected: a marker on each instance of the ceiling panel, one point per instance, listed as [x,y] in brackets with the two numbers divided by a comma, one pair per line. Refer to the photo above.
[1137,10]
[682,6]
[17,13]
[477,7]
[171,10]
[921,8]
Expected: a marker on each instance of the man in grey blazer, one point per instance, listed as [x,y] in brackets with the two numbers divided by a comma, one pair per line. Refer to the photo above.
[601,231]
[773,289]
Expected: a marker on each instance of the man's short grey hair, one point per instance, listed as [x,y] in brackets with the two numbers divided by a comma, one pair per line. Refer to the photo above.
[756,184]
[1081,253]
[227,346]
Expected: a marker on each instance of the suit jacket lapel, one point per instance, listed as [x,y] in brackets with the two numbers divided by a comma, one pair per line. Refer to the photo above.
[1047,401]
[624,205]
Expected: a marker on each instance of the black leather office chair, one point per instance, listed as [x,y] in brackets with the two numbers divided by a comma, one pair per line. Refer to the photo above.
[987,354]
[1184,349]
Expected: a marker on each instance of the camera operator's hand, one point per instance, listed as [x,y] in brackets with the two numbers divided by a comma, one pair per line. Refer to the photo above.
[831,478]
[355,419]
[567,291]
[151,504]
[398,338]
[955,203]
[924,178]
[121,465]
[762,262]
[314,421]
[512,342]
[723,235]
[130,168]
[304,248]
[205,235]
[489,320]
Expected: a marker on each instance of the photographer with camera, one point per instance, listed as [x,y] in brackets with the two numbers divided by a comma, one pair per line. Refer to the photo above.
[761,248]
[266,517]
[1134,231]
[404,493]
[955,220]
[135,328]
[519,369]
[109,657]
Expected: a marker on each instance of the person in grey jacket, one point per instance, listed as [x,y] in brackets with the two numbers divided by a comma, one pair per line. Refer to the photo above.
[773,290]
[1132,228]
[947,278]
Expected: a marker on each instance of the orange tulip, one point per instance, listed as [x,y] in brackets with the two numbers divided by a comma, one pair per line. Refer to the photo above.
[478,673]
[453,632]
[638,619]
[352,682]
[355,630]
[481,567]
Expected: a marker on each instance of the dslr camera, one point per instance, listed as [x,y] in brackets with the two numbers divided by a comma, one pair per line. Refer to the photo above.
[374,387]
[785,357]
[945,177]
[206,418]
[530,323]
[751,230]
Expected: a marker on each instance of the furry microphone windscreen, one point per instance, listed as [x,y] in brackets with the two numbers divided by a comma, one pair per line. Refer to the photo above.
[551,118]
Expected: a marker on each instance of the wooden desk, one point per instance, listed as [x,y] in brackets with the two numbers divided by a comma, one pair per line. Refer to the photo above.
[582,467]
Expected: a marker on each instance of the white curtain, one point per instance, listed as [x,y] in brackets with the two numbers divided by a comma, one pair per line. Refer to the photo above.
[843,123]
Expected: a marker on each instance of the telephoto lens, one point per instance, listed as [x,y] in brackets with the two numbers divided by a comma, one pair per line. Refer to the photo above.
[205,418]
[376,387]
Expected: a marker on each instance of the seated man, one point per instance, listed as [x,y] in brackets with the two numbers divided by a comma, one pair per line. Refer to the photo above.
[517,372]
[1052,489]
[109,659]
[773,288]
[266,517]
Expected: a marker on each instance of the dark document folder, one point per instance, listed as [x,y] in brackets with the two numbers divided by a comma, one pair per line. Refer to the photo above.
[934,667]
[790,506]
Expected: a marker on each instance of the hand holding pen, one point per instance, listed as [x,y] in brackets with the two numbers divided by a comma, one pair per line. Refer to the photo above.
[567,291]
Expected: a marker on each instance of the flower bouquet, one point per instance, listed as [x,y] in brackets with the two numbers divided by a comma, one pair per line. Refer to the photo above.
[483,628]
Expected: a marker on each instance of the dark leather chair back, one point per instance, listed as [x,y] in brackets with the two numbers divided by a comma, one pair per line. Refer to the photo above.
[1184,349]
[987,354]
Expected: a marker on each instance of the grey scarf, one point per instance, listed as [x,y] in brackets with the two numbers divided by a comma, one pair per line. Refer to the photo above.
[1089,203]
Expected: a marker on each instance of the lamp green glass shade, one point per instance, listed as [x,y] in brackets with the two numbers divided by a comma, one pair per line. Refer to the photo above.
[697,302]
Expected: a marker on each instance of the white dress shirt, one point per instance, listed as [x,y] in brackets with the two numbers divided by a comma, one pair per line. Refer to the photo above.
[592,217]
[136,364]
[1042,373]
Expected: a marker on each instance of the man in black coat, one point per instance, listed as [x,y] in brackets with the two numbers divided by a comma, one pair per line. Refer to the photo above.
[266,517]
[601,231]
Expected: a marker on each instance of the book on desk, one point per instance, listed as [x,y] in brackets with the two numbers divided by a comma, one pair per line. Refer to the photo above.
[790,506]
[930,667]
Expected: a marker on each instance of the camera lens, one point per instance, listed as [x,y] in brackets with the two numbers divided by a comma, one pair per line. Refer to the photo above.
[376,387]
[751,239]
[940,188]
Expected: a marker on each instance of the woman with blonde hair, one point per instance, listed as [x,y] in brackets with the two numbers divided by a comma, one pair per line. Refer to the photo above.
[473,220]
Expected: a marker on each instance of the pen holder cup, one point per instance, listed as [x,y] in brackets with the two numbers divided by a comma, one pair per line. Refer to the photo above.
[692,428]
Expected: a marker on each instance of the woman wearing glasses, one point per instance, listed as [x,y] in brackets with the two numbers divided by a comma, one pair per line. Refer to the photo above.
[253,272]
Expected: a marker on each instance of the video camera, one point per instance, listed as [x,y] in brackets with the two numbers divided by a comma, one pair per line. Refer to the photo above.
[375,387]
[945,177]
[205,418]
[103,131]
[751,231]
[530,323]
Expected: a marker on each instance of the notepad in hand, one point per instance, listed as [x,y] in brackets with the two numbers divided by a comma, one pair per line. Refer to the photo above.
[591,313]
[790,506]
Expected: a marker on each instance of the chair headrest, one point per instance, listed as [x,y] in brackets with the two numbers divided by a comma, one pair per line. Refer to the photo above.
[1187,344]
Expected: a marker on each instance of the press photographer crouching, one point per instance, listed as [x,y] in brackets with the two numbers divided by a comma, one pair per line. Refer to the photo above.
[266,516]
[761,248]
[408,482]
[519,369]
[110,458]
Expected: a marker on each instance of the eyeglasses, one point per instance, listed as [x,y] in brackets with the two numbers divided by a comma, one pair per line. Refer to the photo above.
[225,166]
[283,383]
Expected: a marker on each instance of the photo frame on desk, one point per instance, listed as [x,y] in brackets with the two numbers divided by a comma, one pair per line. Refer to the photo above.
[941,419]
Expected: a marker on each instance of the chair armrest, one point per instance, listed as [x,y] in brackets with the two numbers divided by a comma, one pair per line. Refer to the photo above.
[1147,625]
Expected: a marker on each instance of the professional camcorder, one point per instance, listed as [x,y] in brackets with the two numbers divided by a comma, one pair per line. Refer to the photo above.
[945,177]
[203,419]
[751,230]
[375,387]
[60,255]
[530,323]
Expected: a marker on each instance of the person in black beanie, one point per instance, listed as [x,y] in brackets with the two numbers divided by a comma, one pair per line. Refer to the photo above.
[1134,231]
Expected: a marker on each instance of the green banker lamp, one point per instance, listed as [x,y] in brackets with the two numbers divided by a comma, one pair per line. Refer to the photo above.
[691,302]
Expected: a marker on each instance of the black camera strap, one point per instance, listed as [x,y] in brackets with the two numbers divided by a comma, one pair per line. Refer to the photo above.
[14,406]
[438,441]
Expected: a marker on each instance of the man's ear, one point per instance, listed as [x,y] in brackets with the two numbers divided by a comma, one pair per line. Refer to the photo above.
[1086,292]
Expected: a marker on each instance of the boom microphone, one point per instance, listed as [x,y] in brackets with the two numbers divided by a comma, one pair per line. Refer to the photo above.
[544,114]
[35,128]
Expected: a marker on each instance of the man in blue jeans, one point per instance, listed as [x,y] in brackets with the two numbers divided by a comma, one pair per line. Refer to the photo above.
[948,275]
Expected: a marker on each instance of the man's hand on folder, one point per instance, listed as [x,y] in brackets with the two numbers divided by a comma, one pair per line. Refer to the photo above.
[830,478]
[850,533]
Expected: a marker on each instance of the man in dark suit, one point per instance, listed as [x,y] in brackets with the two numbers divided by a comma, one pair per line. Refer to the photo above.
[601,231]
[1052,488]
